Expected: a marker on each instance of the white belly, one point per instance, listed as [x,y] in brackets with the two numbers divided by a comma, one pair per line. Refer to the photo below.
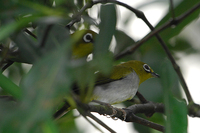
[117,91]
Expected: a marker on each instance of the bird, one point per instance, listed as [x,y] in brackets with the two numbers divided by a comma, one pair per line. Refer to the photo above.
[120,85]
[82,46]
[123,82]
[84,43]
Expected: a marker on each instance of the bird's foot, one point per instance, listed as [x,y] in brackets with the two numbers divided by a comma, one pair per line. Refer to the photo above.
[114,111]
[124,114]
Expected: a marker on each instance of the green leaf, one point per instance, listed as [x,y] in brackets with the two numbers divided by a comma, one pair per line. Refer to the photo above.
[8,86]
[10,28]
[176,115]
[180,44]
[107,27]
[176,111]
[51,35]
[173,31]
[29,51]
[122,41]
[179,10]
[49,127]
[68,124]
[46,84]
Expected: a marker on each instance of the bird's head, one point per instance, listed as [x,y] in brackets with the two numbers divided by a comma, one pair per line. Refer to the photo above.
[83,45]
[143,70]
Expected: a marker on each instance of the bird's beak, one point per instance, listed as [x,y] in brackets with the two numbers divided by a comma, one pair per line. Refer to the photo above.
[155,75]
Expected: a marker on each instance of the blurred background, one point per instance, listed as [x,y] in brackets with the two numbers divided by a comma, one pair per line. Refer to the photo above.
[37,105]
[188,62]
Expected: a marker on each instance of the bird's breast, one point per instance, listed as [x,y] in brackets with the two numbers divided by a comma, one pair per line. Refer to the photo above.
[117,91]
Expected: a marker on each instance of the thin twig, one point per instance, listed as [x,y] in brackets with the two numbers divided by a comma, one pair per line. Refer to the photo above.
[172,8]
[77,17]
[100,122]
[7,98]
[45,35]
[176,67]
[62,111]
[89,114]
[30,33]
[9,63]
[169,23]
[84,111]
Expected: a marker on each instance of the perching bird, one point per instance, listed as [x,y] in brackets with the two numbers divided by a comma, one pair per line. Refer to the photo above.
[122,84]
[82,46]
[84,43]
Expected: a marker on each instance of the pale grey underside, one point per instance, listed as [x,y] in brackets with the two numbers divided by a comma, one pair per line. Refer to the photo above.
[117,91]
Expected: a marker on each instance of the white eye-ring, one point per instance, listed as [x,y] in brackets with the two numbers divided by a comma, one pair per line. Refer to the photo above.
[88,37]
[146,68]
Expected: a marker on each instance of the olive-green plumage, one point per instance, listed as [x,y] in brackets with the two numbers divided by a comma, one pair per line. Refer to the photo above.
[124,79]
[123,82]
[83,45]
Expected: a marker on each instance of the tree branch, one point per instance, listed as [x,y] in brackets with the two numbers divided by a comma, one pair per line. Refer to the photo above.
[30,33]
[130,113]
[176,67]
[141,15]
[84,111]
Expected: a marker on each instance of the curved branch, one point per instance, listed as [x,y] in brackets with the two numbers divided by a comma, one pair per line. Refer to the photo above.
[130,113]
[141,15]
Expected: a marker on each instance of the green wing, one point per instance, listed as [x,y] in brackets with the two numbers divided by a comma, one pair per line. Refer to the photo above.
[118,73]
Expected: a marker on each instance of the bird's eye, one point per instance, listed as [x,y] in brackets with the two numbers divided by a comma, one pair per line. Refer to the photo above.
[88,37]
[146,68]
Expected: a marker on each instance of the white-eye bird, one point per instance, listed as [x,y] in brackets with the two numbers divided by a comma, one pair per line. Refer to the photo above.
[121,85]
[123,82]
[84,43]
[81,47]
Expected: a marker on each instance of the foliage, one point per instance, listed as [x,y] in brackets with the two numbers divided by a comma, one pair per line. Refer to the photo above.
[40,90]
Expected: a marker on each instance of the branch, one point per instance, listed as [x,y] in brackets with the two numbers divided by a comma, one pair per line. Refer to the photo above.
[100,122]
[172,9]
[141,15]
[62,111]
[130,113]
[9,63]
[155,32]
[194,110]
[45,35]
[84,111]
[30,33]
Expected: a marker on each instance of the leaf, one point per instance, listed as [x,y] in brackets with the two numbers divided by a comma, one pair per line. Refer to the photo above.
[29,51]
[107,28]
[176,115]
[102,42]
[173,31]
[122,41]
[51,35]
[46,84]
[179,10]
[49,127]
[176,111]
[68,124]
[10,28]
[181,44]
[8,86]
